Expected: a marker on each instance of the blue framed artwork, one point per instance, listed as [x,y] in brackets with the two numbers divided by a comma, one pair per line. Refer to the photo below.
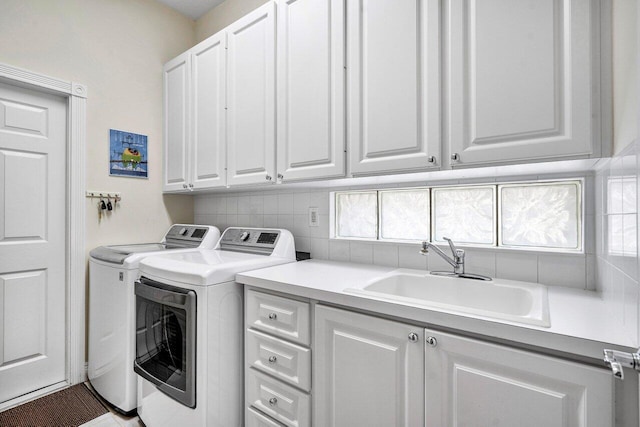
[128,154]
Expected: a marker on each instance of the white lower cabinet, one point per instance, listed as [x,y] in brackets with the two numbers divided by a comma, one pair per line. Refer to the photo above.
[474,383]
[277,361]
[375,372]
[367,371]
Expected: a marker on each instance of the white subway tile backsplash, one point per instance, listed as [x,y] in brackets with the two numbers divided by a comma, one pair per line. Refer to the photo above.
[271,204]
[322,230]
[303,244]
[361,252]
[339,250]
[256,205]
[244,205]
[319,248]
[271,221]
[232,205]
[562,270]
[221,206]
[386,255]
[300,225]
[301,203]
[409,257]
[285,204]
[480,262]
[285,221]
[517,266]
[320,200]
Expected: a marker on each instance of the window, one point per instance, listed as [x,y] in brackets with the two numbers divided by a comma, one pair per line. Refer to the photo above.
[544,215]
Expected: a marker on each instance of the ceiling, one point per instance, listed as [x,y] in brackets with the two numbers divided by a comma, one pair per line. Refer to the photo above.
[194,9]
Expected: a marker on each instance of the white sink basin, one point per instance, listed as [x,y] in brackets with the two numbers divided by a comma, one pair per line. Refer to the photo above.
[521,302]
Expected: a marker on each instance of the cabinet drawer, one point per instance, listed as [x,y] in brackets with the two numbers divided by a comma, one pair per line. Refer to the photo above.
[278,400]
[256,419]
[286,361]
[278,316]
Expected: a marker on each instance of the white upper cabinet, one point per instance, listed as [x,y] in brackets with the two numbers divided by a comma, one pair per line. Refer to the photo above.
[251,82]
[208,142]
[393,80]
[311,84]
[521,80]
[176,123]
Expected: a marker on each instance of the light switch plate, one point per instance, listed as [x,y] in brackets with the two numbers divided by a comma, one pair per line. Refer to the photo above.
[313,217]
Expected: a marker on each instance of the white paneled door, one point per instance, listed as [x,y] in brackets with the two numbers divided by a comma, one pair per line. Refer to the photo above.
[33,130]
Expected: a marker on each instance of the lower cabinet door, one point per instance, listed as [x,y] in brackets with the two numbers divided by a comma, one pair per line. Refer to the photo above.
[473,383]
[367,371]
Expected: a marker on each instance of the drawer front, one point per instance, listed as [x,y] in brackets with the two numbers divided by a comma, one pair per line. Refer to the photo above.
[256,419]
[289,362]
[279,316]
[282,402]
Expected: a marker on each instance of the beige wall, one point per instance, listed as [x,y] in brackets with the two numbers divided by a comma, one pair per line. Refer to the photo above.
[224,14]
[116,48]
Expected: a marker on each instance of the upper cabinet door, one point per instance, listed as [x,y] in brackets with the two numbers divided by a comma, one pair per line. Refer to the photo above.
[251,98]
[311,89]
[208,64]
[520,80]
[176,129]
[393,82]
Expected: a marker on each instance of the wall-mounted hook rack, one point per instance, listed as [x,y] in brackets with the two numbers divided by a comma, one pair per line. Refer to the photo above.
[104,195]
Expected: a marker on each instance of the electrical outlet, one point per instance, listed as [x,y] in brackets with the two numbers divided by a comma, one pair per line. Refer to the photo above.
[313,217]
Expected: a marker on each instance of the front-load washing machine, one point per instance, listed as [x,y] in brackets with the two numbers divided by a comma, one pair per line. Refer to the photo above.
[112,272]
[189,328]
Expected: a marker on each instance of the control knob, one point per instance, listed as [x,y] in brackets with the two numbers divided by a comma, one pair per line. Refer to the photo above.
[245,236]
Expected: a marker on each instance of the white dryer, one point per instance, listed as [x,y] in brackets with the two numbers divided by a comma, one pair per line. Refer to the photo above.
[189,328]
[112,272]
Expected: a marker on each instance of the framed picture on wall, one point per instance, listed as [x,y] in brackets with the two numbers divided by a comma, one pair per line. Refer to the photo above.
[128,154]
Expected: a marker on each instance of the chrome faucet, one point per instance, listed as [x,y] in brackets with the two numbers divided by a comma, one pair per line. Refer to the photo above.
[456,260]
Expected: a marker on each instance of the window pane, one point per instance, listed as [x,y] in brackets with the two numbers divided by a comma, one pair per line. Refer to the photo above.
[465,215]
[541,215]
[404,214]
[357,215]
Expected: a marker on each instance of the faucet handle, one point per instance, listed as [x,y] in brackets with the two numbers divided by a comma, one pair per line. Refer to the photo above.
[454,250]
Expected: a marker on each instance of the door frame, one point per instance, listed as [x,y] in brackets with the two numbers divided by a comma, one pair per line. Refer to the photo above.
[76,95]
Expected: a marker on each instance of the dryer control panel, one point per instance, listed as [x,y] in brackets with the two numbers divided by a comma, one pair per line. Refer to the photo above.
[250,240]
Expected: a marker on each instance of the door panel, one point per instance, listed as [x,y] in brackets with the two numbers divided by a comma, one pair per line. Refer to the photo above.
[32,240]
[176,119]
[394,84]
[251,97]
[520,78]
[311,81]
[208,64]
[473,383]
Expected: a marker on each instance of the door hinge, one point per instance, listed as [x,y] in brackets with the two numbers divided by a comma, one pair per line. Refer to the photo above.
[617,360]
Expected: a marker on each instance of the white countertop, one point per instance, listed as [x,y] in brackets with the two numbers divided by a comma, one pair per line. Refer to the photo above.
[580,320]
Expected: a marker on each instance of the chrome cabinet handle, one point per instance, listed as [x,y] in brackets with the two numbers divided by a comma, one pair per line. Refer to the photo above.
[268,178]
[273,401]
[184,186]
[413,337]
[431,159]
[432,341]
[273,316]
[455,157]
[273,359]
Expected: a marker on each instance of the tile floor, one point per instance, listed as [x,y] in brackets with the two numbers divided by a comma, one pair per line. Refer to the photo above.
[112,418]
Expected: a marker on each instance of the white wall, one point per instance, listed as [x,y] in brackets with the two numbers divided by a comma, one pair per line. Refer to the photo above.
[116,48]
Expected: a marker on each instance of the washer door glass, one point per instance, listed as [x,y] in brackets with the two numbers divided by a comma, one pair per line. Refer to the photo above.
[165,344]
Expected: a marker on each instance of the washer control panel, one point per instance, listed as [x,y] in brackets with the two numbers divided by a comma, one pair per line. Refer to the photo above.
[186,235]
[250,240]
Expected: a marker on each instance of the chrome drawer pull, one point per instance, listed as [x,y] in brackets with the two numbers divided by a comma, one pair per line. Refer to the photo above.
[273,401]
[273,359]
[273,316]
